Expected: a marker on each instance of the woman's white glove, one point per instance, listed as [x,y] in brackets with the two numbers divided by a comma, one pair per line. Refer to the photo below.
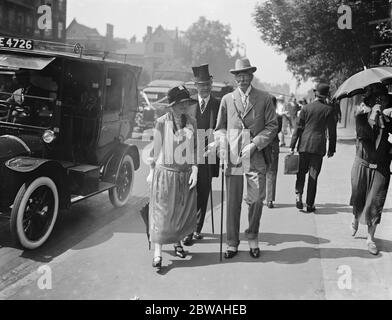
[193,178]
[150,178]
[363,109]
[388,112]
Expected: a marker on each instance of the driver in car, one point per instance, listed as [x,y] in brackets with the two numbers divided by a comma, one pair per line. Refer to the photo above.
[25,99]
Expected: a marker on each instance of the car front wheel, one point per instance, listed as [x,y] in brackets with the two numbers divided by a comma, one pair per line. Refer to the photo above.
[120,195]
[34,213]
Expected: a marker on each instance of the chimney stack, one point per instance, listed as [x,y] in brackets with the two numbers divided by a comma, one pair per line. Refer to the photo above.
[109,31]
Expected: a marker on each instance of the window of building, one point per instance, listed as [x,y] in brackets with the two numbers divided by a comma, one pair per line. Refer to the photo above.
[159,47]
[11,19]
[60,30]
[29,23]
[1,14]
[61,5]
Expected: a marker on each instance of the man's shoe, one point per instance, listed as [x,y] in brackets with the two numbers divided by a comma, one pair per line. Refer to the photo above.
[270,205]
[198,236]
[372,248]
[229,254]
[157,263]
[255,253]
[310,209]
[179,251]
[188,241]
[299,203]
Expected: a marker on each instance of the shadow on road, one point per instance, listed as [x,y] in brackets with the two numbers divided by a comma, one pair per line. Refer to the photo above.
[76,225]
[295,255]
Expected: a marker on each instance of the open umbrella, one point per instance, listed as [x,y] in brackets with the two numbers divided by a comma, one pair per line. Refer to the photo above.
[144,214]
[358,82]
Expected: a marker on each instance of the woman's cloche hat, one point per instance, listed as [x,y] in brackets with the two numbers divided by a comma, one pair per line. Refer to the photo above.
[177,95]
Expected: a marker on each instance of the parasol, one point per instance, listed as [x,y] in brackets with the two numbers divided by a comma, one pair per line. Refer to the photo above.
[358,82]
[144,212]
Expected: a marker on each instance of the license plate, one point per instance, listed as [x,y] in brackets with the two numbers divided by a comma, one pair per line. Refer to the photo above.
[16,43]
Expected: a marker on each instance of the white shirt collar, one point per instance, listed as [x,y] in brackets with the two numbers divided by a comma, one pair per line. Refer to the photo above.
[247,93]
[207,100]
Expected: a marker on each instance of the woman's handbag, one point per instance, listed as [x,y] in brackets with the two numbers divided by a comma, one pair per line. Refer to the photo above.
[291,164]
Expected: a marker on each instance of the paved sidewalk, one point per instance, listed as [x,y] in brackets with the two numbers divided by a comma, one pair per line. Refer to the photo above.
[302,255]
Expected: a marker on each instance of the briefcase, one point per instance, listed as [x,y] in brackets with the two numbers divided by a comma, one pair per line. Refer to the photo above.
[291,164]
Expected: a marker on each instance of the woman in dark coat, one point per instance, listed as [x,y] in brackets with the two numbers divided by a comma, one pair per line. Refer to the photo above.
[173,176]
[371,170]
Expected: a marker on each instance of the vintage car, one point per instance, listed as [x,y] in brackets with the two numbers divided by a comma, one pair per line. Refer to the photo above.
[62,135]
[154,101]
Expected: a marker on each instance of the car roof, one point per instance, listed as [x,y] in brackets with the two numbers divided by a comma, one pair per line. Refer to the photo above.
[62,54]
[165,83]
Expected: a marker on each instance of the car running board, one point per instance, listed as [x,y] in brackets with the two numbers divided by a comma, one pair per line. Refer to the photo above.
[103,186]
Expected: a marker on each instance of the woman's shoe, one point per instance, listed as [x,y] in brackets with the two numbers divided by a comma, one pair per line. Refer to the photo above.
[270,205]
[372,248]
[354,228]
[179,251]
[157,263]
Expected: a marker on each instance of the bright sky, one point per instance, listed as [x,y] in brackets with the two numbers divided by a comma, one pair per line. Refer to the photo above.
[131,17]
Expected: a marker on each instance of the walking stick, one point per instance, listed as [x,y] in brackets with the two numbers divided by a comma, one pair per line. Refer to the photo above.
[222,209]
[212,201]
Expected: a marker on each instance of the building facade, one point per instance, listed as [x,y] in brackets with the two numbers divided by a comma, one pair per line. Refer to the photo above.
[19,18]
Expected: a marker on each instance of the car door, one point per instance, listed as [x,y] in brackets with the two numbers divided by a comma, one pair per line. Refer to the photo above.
[113,106]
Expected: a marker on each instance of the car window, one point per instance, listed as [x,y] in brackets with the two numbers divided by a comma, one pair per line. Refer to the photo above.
[131,93]
[115,91]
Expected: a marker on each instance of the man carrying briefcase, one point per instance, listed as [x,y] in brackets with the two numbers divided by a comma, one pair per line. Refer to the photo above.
[313,122]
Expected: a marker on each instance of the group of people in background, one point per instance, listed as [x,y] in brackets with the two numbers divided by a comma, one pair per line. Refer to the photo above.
[180,191]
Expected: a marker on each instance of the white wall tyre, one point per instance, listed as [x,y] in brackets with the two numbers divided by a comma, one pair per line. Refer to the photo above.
[34,213]
[120,195]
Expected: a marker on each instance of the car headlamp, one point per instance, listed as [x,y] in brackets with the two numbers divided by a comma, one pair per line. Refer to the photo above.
[49,136]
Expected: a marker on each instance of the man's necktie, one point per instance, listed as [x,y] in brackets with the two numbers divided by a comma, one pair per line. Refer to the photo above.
[203,106]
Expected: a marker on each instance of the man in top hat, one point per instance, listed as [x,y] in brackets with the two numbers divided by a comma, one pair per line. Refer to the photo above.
[312,125]
[206,114]
[247,120]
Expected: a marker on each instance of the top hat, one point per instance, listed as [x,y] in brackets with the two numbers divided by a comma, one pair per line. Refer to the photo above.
[322,90]
[177,95]
[202,74]
[243,65]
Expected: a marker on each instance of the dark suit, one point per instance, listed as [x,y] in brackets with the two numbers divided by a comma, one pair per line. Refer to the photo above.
[205,121]
[311,132]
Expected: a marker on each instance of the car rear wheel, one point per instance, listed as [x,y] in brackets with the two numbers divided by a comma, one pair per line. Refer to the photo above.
[119,196]
[34,213]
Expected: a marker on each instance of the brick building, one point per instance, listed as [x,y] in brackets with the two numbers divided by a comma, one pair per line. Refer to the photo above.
[19,18]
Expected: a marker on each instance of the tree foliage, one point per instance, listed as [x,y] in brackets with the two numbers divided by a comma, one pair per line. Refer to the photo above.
[307,32]
[209,42]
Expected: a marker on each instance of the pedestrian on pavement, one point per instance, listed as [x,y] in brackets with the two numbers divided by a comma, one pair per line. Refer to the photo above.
[173,176]
[283,112]
[293,109]
[246,112]
[207,110]
[313,122]
[371,171]
[272,168]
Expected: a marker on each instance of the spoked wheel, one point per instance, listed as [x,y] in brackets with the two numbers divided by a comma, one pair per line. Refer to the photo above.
[119,196]
[34,213]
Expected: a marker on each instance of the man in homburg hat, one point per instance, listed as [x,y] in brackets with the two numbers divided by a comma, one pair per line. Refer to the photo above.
[247,120]
[313,122]
[206,114]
